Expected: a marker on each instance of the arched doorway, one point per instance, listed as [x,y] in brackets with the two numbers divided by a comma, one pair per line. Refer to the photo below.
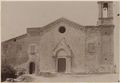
[61,64]
[32,67]
[63,57]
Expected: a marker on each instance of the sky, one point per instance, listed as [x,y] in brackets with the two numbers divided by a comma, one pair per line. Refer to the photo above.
[17,16]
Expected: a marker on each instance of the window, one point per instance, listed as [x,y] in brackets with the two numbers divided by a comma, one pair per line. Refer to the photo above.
[62,29]
[91,47]
[33,49]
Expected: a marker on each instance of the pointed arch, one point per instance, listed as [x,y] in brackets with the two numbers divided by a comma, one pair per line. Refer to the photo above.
[63,56]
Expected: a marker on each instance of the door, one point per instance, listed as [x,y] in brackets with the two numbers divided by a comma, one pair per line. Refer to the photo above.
[61,64]
[32,68]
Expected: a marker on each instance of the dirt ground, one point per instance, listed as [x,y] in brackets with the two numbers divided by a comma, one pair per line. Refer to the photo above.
[77,78]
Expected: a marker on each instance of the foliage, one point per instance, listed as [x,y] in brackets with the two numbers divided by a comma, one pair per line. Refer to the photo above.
[7,71]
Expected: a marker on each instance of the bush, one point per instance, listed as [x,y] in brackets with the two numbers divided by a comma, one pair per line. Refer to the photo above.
[7,71]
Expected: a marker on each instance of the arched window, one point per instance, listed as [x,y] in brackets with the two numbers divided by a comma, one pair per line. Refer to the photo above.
[62,29]
[105,10]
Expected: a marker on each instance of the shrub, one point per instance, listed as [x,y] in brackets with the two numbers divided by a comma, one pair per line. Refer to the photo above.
[7,71]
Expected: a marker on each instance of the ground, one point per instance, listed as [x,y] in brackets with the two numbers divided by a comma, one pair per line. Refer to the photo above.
[77,78]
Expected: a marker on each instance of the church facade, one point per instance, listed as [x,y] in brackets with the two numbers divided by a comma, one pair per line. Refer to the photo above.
[64,46]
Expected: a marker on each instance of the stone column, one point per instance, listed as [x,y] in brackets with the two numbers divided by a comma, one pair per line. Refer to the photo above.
[68,64]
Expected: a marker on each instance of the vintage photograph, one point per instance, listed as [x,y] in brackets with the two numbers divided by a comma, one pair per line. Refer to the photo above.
[60,41]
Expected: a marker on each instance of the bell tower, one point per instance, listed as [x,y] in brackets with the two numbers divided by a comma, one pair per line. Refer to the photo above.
[105,13]
[106,26]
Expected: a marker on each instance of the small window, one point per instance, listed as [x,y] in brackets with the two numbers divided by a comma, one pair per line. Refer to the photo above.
[62,29]
[32,49]
[91,47]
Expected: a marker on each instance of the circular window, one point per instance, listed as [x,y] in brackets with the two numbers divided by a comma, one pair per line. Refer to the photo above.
[62,29]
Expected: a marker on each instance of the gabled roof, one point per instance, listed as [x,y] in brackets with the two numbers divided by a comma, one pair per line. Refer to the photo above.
[62,44]
[59,21]
[65,21]
[49,26]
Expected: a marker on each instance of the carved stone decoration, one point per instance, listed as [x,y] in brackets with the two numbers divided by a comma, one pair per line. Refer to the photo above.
[63,50]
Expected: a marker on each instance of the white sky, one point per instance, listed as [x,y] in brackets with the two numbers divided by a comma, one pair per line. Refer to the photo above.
[17,16]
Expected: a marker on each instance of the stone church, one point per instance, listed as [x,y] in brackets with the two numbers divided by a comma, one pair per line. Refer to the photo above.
[64,46]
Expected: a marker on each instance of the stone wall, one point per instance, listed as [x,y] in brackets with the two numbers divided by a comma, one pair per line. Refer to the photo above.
[107,48]
[89,48]
[93,48]
[14,51]
[48,40]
